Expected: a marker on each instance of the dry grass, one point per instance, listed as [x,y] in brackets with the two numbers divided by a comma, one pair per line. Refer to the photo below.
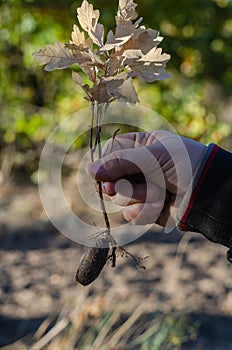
[90,324]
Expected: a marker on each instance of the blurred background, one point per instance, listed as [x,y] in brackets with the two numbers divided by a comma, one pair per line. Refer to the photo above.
[37,288]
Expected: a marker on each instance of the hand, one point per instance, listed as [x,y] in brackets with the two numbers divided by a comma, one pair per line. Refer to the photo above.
[159,167]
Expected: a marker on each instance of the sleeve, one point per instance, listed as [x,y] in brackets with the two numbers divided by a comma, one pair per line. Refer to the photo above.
[207,205]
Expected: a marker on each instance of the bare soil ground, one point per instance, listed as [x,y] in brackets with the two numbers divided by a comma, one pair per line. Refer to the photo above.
[183,272]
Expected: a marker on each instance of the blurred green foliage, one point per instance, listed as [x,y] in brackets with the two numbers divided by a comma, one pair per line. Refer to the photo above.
[197,35]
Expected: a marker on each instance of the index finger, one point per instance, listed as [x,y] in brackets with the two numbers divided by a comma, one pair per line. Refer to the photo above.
[123,162]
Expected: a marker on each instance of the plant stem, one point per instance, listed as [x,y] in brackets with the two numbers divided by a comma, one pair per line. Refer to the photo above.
[92,107]
[97,116]
[103,208]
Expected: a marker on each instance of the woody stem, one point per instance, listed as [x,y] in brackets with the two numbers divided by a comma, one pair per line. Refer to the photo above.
[97,116]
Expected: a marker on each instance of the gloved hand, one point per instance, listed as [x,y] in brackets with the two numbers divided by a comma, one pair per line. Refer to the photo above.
[159,167]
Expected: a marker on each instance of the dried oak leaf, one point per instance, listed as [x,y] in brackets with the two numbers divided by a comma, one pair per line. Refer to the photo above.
[78,37]
[77,78]
[90,92]
[113,63]
[99,93]
[149,72]
[90,71]
[148,67]
[88,18]
[56,56]
[123,33]
[126,10]
[143,41]
[125,28]
[155,55]
[88,60]
[96,59]
[120,87]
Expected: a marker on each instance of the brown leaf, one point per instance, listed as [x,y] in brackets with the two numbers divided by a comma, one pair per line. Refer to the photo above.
[97,35]
[82,57]
[78,37]
[88,18]
[132,54]
[127,28]
[85,55]
[150,66]
[96,59]
[87,60]
[114,41]
[73,47]
[149,72]
[126,10]
[143,40]
[123,33]
[99,93]
[90,71]
[121,88]
[55,56]
[77,78]
[127,92]
[113,64]
[155,55]
[89,43]
[91,64]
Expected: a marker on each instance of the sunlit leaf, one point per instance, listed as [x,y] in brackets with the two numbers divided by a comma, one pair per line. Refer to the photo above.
[113,64]
[127,93]
[99,93]
[78,37]
[131,51]
[149,72]
[114,41]
[77,78]
[90,71]
[123,33]
[55,56]
[88,18]
[126,10]
[143,40]
[121,87]
[155,55]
